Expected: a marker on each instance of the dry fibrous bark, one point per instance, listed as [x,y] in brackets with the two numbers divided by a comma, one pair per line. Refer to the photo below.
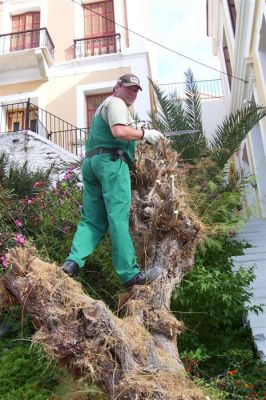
[132,354]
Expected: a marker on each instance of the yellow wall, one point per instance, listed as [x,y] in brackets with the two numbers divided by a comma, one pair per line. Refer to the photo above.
[60,93]
[60,25]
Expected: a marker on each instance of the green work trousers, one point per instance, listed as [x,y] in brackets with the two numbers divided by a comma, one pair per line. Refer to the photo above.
[106,204]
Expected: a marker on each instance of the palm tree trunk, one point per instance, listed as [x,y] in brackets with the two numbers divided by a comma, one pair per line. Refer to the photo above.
[133,353]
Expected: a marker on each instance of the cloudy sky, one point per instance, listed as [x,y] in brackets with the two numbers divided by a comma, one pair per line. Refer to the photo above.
[182,27]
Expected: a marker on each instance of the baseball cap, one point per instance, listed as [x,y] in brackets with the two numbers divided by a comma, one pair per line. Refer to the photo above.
[129,80]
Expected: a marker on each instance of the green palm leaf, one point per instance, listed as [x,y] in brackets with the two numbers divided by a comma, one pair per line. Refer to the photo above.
[170,115]
[234,129]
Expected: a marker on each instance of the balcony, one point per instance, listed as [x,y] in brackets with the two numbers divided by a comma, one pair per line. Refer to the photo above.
[207,89]
[96,46]
[28,51]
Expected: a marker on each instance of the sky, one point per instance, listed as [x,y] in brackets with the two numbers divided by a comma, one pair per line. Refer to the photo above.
[182,27]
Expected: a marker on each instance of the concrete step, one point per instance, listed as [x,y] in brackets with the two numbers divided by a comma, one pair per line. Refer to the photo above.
[257,321]
[255,250]
[254,233]
[259,334]
[259,242]
[260,294]
[258,265]
[252,236]
[258,282]
[250,257]
[255,221]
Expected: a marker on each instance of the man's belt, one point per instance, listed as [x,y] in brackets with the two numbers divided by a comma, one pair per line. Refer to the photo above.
[116,153]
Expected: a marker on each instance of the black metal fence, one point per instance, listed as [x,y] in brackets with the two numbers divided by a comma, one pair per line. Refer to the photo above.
[98,45]
[30,39]
[27,116]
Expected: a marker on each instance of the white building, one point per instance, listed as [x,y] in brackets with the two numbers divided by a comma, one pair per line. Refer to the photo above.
[60,58]
[238,29]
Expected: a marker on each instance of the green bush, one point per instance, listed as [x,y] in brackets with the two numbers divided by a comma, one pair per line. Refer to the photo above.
[213,301]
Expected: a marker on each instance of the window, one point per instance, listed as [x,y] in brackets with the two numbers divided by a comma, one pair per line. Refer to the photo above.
[93,103]
[27,28]
[98,19]
[99,28]
[232,11]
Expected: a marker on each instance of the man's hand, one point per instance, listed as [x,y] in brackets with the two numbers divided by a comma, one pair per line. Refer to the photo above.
[152,136]
[143,125]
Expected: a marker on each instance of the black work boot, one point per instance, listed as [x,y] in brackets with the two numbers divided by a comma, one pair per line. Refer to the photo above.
[144,277]
[70,267]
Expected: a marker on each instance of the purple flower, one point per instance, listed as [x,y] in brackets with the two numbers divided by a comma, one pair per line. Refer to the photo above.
[20,240]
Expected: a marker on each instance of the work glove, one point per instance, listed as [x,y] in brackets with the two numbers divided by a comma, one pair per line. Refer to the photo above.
[143,125]
[152,136]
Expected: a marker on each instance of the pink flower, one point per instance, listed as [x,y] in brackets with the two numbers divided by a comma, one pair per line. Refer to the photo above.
[18,222]
[66,229]
[29,201]
[39,184]
[4,262]
[20,240]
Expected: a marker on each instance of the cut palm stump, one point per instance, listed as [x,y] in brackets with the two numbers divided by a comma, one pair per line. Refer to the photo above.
[135,355]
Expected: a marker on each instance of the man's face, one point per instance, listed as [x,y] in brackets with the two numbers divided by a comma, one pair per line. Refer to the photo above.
[128,94]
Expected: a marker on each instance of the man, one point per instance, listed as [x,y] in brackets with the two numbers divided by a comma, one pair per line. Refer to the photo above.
[107,190]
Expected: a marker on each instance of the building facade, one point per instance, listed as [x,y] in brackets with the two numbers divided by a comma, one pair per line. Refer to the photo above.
[60,58]
[238,30]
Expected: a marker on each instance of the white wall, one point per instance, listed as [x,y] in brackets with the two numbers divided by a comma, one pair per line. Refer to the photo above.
[213,113]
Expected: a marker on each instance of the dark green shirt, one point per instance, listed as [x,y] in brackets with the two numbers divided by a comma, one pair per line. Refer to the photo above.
[100,132]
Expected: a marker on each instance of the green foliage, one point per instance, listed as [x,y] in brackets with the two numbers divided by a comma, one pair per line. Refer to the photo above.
[212,302]
[25,373]
[19,178]
[34,377]
[170,115]
[233,131]
[47,218]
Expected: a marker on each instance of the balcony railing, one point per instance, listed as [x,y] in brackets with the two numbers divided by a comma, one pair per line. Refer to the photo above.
[30,39]
[208,89]
[97,46]
[27,116]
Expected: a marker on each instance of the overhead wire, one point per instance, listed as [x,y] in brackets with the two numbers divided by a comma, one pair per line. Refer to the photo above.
[158,44]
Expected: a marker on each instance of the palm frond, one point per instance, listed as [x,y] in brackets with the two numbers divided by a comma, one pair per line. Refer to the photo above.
[234,129]
[193,102]
[170,115]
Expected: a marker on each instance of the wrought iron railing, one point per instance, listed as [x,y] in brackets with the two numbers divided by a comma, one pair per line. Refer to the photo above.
[96,46]
[30,39]
[208,89]
[27,116]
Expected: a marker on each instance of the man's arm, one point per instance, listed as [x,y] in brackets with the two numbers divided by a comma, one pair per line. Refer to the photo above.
[126,132]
